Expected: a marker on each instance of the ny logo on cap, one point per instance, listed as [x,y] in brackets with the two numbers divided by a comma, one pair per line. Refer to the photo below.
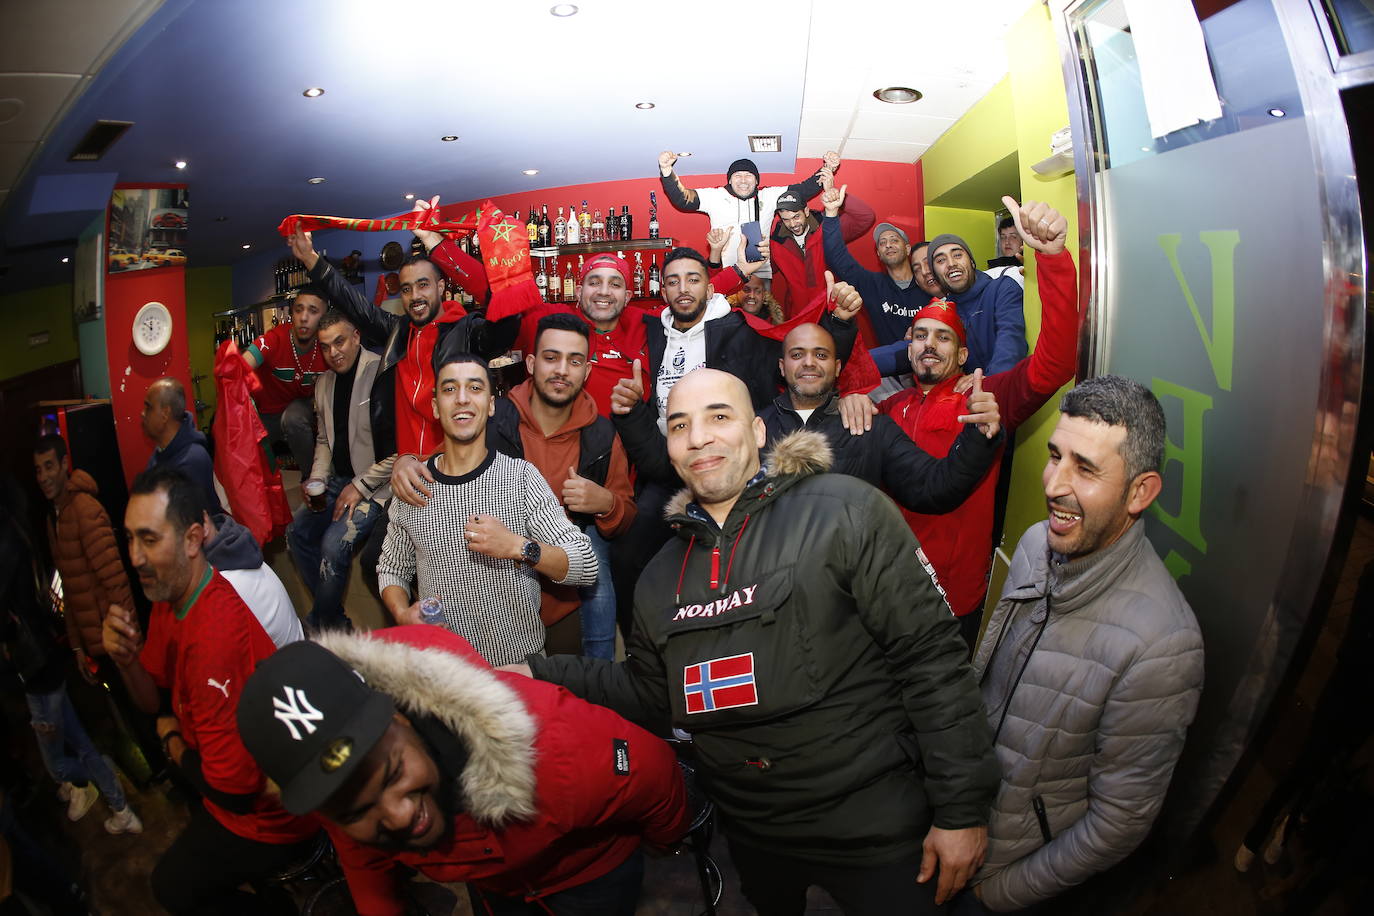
[296,709]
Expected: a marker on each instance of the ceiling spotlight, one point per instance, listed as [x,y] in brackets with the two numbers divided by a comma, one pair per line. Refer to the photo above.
[66,260]
[683,155]
[180,163]
[449,138]
[644,106]
[313,92]
[530,171]
[897,95]
[563,10]
[1277,112]
[315,180]
[410,197]
[246,246]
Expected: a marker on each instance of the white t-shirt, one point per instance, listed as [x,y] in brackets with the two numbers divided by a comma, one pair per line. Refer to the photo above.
[725,209]
[806,414]
[266,597]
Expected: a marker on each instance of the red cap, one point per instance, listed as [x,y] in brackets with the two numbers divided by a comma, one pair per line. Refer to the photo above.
[606,260]
[943,311]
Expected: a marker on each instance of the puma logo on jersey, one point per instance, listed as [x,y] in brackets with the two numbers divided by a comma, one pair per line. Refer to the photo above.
[222,688]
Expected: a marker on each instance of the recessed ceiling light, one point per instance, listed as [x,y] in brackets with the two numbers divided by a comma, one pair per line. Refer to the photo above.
[897,95]
[66,260]
[644,106]
[410,197]
[563,10]
[1144,149]
[314,92]
[246,246]
[315,180]
[449,138]
[1277,112]
[683,155]
[180,163]
[530,171]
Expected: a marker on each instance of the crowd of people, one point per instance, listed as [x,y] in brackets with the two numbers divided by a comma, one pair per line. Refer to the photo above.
[791,530]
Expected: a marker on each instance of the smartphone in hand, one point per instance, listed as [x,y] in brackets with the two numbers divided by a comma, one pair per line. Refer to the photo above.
[753,234]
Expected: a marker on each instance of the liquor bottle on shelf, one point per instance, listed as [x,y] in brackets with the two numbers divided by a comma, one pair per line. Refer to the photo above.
[574,234]
[545,228]
[626,223]
[532,228]
[569,292]
[598,227]
[584,224]
[653,215]
[639,276]
[541,280]
[555,281]
[560,229]
[612,226]
[654,283]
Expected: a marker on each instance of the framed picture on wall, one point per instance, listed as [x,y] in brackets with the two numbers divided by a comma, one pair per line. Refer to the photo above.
[88,292]
[147,228]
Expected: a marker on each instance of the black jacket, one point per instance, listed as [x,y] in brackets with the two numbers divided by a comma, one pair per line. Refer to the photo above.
[854,722]
[887,458]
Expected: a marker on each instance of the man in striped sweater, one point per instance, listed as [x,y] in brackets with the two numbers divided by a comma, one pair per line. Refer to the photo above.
[488,529]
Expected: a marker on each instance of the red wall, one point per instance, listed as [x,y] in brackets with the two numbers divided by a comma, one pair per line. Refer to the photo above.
[893,189]
[130,371]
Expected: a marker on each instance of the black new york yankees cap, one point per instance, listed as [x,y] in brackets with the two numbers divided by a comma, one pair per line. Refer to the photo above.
[308,719]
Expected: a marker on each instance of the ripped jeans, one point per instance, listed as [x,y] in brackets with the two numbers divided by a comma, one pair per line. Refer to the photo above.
[323,550]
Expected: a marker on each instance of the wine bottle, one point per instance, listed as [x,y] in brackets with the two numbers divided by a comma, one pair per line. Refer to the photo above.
[653,215]
[545,227]
[612,226]
[639,276]
[654,281]
[560,229]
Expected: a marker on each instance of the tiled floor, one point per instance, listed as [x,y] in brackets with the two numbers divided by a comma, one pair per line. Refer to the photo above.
[114,870]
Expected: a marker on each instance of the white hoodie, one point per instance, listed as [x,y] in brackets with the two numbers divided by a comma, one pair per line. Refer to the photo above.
[685,351]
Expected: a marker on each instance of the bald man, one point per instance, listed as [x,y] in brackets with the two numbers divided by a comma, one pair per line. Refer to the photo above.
[179,445]
[793,628]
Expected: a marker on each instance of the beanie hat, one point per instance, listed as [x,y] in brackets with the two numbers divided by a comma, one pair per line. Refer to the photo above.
[742,165]
[620,265]
[940,241]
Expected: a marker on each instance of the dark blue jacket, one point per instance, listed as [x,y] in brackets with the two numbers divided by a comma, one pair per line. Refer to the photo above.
[187,454]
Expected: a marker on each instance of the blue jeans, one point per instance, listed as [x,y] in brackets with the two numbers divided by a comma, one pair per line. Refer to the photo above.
[323,550]
[55,723]
[598,602]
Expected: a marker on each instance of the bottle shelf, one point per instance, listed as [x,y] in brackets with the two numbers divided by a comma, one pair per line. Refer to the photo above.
[560,251]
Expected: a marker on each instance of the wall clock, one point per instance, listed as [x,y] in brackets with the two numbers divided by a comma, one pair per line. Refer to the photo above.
[152,328]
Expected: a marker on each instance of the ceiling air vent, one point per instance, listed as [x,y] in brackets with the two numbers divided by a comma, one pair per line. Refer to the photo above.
[98,140]
[765,143]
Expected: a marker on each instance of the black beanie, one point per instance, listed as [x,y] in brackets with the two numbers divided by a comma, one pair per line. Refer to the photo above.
[742,165]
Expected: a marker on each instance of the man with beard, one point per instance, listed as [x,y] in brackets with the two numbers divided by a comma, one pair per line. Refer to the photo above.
[1092,663]
[959,544]
[798,235]
[413,751]
[407,344]
[355,424]
[288,361]
[740,201]
[791,628]
[551,422]
[513,530]
[202,644]
[990,309]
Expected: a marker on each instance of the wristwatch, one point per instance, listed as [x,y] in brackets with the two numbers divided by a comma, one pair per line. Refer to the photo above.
[531,552]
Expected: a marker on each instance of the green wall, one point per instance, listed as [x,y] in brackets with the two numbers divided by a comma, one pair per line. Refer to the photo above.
[208,290]
[47,308]
[976,227]
[976,142]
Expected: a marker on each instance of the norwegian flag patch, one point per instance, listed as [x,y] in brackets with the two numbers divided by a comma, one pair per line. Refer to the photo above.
[721,683]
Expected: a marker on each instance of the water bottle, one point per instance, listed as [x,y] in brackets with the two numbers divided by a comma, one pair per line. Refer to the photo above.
[432,611]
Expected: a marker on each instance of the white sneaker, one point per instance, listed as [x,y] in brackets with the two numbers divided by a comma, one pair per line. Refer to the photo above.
[1273,850]
[64,791]
[124,821]
[81,801]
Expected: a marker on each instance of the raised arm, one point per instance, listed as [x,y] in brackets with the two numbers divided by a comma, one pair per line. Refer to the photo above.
[374,324]
[837,256]
[681,196]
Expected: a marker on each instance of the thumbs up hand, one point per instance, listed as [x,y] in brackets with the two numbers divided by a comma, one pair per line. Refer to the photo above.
[582,495]
[628,391]
[848,302]
[982,406]
[1041,226]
